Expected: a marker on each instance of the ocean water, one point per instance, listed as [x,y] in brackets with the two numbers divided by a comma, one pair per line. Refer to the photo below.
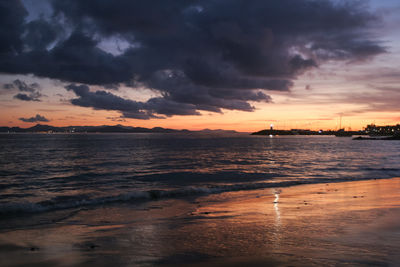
[49,172]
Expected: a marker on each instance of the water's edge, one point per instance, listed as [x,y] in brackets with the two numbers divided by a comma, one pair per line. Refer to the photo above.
[64,203]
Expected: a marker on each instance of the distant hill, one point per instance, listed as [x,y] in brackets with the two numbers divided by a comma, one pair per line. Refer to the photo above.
[40,128]
[43,128]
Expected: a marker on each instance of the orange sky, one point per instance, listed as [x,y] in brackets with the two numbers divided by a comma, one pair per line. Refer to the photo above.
[311,108]
[356,91]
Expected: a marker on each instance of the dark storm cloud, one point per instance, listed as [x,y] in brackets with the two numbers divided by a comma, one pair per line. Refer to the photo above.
[199,55]
[176,86]
[12,14]
[167,105]
[100,99]
[39,34]
[75,59]
[37,118]
[107,101]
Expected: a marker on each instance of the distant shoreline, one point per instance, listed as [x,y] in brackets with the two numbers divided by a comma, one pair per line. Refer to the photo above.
[39,128]
[304,132]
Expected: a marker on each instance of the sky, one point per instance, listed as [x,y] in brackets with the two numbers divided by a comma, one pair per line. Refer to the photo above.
[195,64]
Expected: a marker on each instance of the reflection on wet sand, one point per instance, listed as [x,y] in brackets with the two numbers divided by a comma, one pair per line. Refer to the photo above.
[277,232]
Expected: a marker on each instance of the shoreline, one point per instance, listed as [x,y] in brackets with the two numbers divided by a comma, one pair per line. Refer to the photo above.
[352,222]
[142,197]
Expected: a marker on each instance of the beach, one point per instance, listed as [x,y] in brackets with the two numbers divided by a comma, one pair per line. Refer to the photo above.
[330,224]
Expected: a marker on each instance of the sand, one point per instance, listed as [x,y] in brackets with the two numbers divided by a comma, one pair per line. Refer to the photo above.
[336,224]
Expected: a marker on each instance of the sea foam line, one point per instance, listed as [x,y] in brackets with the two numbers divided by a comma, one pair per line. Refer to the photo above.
[136,196]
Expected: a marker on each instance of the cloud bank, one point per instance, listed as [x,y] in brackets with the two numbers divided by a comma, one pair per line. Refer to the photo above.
[204,55]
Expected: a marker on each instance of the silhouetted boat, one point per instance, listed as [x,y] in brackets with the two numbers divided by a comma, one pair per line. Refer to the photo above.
[343,133]
[396,136]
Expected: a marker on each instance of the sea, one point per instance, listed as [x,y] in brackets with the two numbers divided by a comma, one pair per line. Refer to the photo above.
[50,172]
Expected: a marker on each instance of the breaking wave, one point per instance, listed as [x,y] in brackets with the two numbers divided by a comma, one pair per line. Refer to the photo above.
[85,201]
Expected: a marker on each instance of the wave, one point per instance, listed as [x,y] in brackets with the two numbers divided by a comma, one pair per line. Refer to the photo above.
[85,201]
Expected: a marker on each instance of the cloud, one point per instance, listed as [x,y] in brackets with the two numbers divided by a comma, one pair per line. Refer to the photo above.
[22,86]
[31,89]
[37,118]
[39,34]
[177,102]
[198,55]
[383,99]
[8,86]
[12,14]
[31,97]
[377,98]
[107,101]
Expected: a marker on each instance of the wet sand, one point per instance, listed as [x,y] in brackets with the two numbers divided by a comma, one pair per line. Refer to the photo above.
[336,224]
